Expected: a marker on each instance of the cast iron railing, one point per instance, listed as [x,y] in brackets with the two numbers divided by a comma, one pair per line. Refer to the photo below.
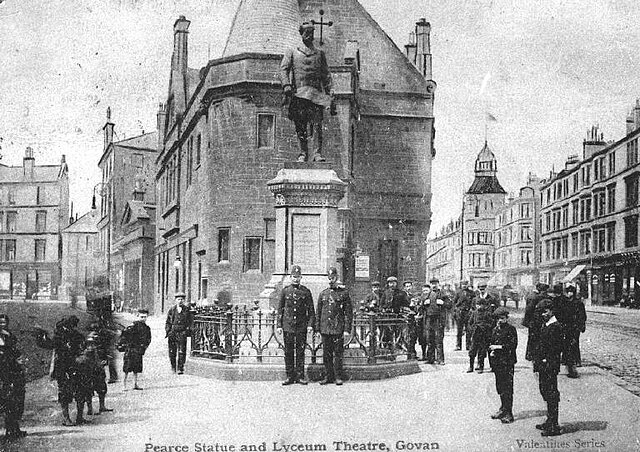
[241,335]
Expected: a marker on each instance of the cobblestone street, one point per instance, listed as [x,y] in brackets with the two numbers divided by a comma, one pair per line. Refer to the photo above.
[612,342]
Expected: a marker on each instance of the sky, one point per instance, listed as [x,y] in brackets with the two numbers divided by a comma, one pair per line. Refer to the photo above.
[547,71]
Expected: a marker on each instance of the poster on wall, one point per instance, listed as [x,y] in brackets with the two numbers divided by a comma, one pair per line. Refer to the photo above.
[362,267]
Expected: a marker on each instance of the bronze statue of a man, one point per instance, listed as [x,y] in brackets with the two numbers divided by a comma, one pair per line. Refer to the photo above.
[306,81]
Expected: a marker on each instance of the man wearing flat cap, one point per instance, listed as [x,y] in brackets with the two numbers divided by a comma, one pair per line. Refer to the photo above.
[306,81]
[547,364]
[502,358]
[177,329]
[372,302]
[435,314]
[462,304]
[296,318]
[333,321]
[394,299]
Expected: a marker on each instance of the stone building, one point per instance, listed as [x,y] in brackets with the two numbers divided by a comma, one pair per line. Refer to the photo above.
[517,239]
[443,255]
[34,209]
[125,228]
[224,135]
[481,202]
[589,218]
[80,262]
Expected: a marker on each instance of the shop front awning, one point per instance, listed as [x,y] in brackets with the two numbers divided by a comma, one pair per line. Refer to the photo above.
[573,273]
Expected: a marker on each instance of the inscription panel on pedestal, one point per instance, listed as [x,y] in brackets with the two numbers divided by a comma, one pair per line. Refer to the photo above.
[305,246]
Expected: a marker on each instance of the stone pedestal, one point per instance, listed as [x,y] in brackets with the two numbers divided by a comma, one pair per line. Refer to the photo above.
[307,226]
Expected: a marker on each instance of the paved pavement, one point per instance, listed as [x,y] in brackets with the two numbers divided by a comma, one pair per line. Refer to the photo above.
[441,407]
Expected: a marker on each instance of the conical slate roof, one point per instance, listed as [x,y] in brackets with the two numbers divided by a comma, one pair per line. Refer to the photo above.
[264,26]
[486,168]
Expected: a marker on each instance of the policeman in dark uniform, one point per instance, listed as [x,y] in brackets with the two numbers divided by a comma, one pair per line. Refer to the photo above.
[463,303]
[12,381]
[502,357]
[333,321]
[296,317]
[547,364]
[178,328]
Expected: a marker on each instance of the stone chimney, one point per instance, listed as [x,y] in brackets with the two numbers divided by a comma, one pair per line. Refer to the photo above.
[179,61]
[410,48]
[162,123]
[593,143]
[572,162]
[423,48]
[108,130]
[28,162]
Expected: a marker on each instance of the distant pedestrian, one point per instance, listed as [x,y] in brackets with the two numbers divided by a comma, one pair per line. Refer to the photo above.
[68,344]
[462,305]
[91,375]
[574,320]
[420,319]
[502,357]
[436,307]
[334,318]
[105,346]
[296,318]
[547,365]
[533,318]
[135,339]
[480,325]
[178,329]
[12,381]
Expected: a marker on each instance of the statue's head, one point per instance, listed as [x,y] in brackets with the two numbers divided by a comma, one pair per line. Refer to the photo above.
[306,31]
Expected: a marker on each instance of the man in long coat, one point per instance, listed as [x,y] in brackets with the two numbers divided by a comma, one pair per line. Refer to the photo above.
[306,81]
[12,381]
[334,317]
[296,318]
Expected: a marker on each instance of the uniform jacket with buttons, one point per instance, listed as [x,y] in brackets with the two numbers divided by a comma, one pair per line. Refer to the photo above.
[295,309]
[335,312]
[307,72]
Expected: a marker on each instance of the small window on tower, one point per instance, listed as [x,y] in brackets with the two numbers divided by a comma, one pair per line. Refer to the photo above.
[266,130]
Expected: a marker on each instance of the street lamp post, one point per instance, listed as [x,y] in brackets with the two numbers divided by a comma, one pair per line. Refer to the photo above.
[177,264]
